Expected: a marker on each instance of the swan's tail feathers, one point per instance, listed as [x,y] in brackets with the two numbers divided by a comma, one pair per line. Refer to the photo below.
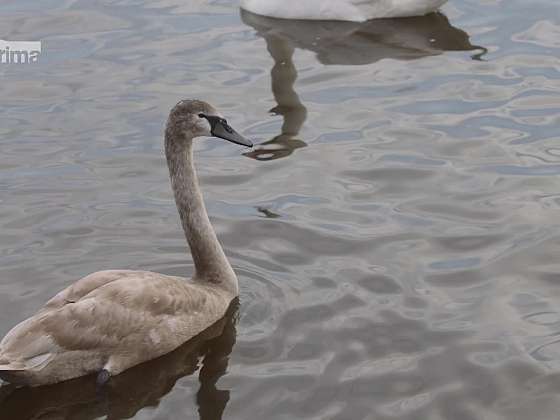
[35,362]
[8,364]
[11,366]
[10,371]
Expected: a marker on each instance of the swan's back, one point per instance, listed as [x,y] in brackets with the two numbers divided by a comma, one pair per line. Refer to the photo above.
[349,10]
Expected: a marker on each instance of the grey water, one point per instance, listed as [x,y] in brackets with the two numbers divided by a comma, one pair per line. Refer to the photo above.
[396,230]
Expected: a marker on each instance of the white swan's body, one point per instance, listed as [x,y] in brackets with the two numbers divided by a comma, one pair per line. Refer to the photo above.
[112,320]
[349,10]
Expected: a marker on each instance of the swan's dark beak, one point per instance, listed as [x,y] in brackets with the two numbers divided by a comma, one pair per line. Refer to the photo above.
[224,131]
[221,129]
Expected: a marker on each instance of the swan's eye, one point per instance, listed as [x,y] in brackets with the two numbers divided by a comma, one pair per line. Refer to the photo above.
[202,115]
[227,127]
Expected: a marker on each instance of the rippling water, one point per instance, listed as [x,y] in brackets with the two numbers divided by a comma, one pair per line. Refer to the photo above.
[395,233]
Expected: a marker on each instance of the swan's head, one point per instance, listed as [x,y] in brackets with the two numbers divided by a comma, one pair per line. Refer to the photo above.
[192,118]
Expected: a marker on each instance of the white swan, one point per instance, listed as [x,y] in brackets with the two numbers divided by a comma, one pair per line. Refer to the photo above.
[350,10]
[112,320]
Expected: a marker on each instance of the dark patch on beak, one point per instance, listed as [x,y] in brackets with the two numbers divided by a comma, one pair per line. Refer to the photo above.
[220,128]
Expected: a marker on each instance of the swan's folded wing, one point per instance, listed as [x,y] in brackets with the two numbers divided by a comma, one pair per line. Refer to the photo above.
[25,347]
[132,310]
[34,341]
[93,324]
[374,9]
[308,9]
[347,10]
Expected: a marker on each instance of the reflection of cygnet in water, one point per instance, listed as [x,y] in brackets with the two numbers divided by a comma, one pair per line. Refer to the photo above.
[142,386]
[344,10]
[342,43]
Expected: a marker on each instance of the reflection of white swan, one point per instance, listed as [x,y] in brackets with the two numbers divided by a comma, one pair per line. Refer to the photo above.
[349,10]
[110,321]
[348,43]
[342,43]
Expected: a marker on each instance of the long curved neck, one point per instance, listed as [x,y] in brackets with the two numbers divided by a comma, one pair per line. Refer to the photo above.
[210,262]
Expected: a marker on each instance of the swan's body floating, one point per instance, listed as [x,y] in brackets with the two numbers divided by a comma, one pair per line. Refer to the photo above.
[112,320]
[350,10]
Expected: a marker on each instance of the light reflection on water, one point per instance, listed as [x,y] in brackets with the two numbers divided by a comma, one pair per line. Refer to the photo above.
[397,262]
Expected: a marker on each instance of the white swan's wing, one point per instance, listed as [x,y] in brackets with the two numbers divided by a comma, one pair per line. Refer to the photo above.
[348,10]
[374,9]
[307,9]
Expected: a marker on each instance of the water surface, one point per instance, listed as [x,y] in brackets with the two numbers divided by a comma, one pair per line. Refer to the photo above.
[395,231]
